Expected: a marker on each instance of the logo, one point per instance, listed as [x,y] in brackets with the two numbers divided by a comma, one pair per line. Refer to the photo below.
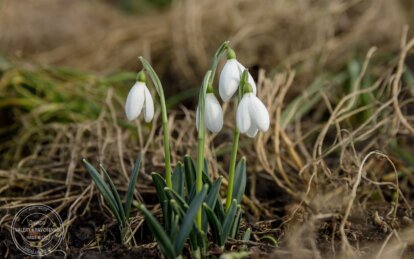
[37,230]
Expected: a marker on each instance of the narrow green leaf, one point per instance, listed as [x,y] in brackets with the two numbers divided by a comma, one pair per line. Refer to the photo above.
[206,173]
[247,234]
[178,179]
[160,184]
[163,241]
[173,195]
[191,193]
[236,223]
[229,219]
[103,189]
[177,208]
[190,172]
[131,187]
[188,220]
[216,228]
[211,199]
[219,209]
[115,193]
[240,180]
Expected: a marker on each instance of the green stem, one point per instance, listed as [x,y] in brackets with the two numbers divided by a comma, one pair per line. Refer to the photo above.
[233,158]
[235,146]
[158,86]
[201,141]
[200,161]
[166,142]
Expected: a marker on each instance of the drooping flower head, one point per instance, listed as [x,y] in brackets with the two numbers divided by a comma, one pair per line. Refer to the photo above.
[139,98]
[230,77]
[213,114]
[252,114]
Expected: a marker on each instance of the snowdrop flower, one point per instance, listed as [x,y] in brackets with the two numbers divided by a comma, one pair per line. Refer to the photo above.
[252,115]
[139,98]
[213,114]
[230,77]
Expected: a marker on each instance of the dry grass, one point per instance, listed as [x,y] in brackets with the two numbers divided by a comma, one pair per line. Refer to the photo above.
[332,178]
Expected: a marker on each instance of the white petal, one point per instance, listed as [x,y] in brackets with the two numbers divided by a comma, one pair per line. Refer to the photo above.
[213,114]
[135,101]
[252,131]
[148,105]
[229,80]
[197,117]
[249,78]
[259,113]
[243,120]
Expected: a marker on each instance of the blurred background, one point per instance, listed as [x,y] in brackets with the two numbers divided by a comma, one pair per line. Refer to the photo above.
[180,36]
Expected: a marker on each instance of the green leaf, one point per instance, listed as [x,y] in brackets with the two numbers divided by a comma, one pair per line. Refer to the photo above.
[115,193]
[103,189]
[131,187]
[216,228]
[173,195]
[240,180]
[188,220]
[160,184]
[229,219]
[178,179]
[206,175]
[213,193]
[190,172]
[177,208]
[163,241]
[211,198]
[247,234]
[219,209]
[236,223]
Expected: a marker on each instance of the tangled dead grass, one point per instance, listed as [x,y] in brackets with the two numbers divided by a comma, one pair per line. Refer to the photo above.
[333,178]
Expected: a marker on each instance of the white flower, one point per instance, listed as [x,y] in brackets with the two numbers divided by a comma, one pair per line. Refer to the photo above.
[252,115]
[213,114]
[230,79]
[139,98]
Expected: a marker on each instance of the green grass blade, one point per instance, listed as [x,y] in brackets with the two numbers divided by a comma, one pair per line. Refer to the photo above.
[188,220]
[216,228]
[115,194]
[163,241]
[131,187]
[240,180]
[103,189]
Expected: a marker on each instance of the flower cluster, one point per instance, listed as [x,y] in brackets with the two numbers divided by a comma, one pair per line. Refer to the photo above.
[190,199]
[252,115]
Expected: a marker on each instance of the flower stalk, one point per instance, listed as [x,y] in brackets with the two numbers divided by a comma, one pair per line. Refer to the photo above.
[235,145]
[158,86]
[201,141]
